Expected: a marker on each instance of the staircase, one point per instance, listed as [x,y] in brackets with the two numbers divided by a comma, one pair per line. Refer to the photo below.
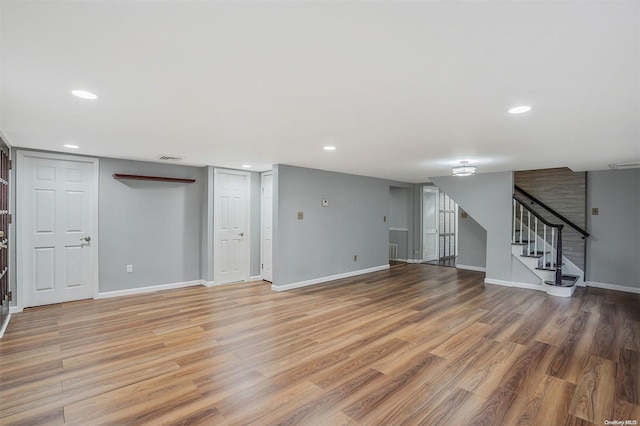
[537,243]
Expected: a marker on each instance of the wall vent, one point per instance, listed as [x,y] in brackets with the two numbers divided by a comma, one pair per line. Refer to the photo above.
[170,157]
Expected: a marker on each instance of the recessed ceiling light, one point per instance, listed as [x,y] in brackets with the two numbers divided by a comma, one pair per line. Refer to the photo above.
[329,148]
[246,166]
[84,94]
[520,109]
[69,145]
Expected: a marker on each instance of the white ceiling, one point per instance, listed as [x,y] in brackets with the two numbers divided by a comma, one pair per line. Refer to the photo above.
[404,90]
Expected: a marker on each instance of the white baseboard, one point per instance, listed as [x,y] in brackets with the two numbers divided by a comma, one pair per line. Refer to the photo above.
[514,284]
[615,287]
[148,289]
[208,283]
[255,278]
[414,261]
[471,268]
[15,309]
[4,325]
[327,278]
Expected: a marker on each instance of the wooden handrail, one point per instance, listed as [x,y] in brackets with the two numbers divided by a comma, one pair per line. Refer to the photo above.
[536,214]
[152,178]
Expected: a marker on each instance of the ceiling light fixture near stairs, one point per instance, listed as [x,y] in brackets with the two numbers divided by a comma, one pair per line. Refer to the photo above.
[464,169]
[616,166]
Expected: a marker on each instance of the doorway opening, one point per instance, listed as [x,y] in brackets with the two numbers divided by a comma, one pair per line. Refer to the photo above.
[439,228]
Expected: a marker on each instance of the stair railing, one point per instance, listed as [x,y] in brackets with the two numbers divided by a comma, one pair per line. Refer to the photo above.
[534,200]
[522,219]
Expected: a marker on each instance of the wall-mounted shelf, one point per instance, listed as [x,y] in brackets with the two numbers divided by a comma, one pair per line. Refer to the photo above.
[122,176]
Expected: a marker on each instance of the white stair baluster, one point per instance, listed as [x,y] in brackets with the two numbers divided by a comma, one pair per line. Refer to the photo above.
[544,246]
[521,223]
[513,239]
[528,233]
[535,236]
[553,261]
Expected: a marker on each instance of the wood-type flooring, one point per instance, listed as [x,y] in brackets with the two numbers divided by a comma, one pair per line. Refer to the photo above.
[413,345]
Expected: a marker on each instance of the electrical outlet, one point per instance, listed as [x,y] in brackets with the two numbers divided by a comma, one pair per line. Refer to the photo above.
[355,257]
[10,296]
[594,211]
[325,202]
[300,215]
[129,269]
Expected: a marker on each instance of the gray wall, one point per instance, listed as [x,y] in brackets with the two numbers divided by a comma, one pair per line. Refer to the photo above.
[325,241]
[472,242]
[613,248]
[206,253]
[399,207]
[487,197]
[154,226]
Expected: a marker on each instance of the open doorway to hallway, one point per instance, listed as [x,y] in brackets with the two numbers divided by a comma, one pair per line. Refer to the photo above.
[439,228]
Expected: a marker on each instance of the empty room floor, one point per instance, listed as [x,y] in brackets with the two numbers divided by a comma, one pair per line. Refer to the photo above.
[419,344]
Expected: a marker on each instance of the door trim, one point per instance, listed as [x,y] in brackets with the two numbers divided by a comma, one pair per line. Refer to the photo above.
[247,219]
[262,209]
[435,190]
[20,190]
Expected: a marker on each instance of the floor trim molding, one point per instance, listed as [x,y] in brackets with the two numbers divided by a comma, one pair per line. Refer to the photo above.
[514,284]
[148,289]
[471,268]
[615,287]
[327,278]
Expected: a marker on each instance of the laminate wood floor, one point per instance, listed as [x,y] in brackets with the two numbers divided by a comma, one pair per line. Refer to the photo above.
[416,344]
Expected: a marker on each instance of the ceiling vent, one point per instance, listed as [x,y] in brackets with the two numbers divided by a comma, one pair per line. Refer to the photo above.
[169,158]
[616,166]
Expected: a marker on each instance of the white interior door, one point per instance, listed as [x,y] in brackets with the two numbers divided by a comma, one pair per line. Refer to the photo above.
[430,224]
[266,243]
[56,228]
[231,230]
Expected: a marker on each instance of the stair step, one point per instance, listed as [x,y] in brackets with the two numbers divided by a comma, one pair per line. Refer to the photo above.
[567,281]
[548,268]
[547,265]
[537,254]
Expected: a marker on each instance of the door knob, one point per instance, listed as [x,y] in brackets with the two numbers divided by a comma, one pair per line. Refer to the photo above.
[85,239]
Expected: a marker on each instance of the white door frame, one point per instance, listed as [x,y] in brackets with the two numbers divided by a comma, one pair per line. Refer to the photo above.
[20,200]
[436,190]
[216,222]
[262,212]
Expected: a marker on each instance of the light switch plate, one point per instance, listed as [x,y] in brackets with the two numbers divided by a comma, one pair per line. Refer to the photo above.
[300,215]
